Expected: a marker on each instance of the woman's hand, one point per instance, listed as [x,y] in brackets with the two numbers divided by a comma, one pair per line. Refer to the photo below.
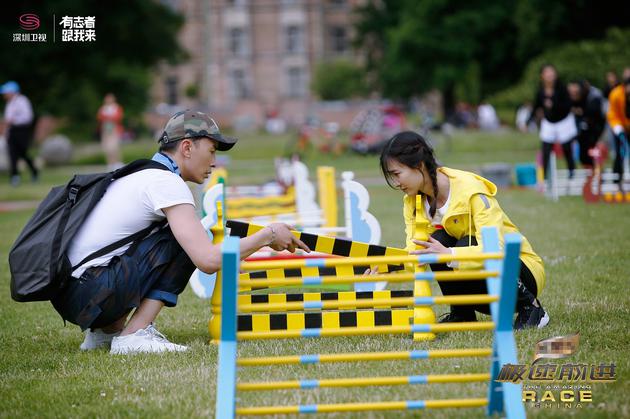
[432,246]
[371,271]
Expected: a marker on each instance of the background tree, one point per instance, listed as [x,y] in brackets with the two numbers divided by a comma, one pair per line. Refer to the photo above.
[438,44]
[338,80]
[470,46]
[588,59]
[69,79]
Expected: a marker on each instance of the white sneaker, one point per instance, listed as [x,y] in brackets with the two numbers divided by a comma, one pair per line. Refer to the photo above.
[147,340]
[96,338]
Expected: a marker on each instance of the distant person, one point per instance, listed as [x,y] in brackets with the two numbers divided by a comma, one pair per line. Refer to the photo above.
[487,117]
[558,123]
[619,121]
[463,117]
[110,116]
[612,81]
[587,109]
[18,121]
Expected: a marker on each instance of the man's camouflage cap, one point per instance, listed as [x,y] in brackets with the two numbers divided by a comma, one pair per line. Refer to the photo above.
[192,124]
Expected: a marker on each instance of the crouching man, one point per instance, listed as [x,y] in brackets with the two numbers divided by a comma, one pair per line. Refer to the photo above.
[152,272]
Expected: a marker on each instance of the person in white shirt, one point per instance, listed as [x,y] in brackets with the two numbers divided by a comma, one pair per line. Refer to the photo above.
[151,273]
[18,122]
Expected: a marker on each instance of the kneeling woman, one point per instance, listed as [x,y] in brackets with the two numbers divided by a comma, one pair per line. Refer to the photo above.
[456,205]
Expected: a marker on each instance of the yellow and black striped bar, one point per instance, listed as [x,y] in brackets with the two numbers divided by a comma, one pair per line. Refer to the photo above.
[322,244]
[328,245]
[269,322]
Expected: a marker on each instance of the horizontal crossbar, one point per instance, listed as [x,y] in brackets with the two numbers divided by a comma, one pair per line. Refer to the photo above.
[358,407]
[364,356]
[378,330]
[370,260]
[348,279]
[363,381]
[369,303]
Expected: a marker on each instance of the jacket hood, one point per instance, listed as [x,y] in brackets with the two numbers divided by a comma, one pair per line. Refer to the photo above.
[464,185]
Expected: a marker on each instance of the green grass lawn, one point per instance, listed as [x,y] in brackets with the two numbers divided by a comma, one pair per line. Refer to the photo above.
[585,249]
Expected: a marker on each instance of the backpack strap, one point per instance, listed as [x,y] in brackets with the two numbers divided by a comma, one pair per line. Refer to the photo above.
[140,235]
[136,166]
[128,169]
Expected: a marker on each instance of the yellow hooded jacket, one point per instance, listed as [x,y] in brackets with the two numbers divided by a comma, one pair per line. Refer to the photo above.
[472,205]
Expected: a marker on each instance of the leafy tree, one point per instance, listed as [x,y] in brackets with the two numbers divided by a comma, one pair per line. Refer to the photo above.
[438,44]
[69,79]
[542,24]
[470,46]
[588,60]
[338,80]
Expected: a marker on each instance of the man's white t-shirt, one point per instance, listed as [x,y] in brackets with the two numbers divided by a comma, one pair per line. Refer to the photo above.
[130,204]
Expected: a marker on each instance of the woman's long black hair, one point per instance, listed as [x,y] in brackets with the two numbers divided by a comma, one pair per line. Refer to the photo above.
[412,150]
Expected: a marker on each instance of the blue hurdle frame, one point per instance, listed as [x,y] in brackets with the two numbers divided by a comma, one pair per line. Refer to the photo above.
[502,397]
[226,373]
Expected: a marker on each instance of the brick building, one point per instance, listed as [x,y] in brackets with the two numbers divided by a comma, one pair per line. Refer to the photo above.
[251,57]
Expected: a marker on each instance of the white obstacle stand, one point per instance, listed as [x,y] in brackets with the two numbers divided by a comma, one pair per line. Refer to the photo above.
[361,225]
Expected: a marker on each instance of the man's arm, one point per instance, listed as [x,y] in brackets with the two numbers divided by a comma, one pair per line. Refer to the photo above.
[206,256]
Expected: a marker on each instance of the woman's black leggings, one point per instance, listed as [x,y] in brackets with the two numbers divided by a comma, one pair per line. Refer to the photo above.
[568,156]
[527,288]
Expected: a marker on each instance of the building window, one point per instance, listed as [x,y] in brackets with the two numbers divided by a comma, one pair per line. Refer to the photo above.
[294,39]
[236,40]
[296,79]
[171,90]
[239,84]
[339,39]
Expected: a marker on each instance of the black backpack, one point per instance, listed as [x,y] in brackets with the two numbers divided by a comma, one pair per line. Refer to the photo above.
[38,261]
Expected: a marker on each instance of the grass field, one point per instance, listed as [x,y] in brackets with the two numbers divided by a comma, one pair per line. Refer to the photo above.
[585,249]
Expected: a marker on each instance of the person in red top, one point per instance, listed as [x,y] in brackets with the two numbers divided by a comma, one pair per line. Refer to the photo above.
[110,125]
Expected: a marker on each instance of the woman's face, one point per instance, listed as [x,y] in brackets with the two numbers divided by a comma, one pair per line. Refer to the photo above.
[408,180]
[548,75]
